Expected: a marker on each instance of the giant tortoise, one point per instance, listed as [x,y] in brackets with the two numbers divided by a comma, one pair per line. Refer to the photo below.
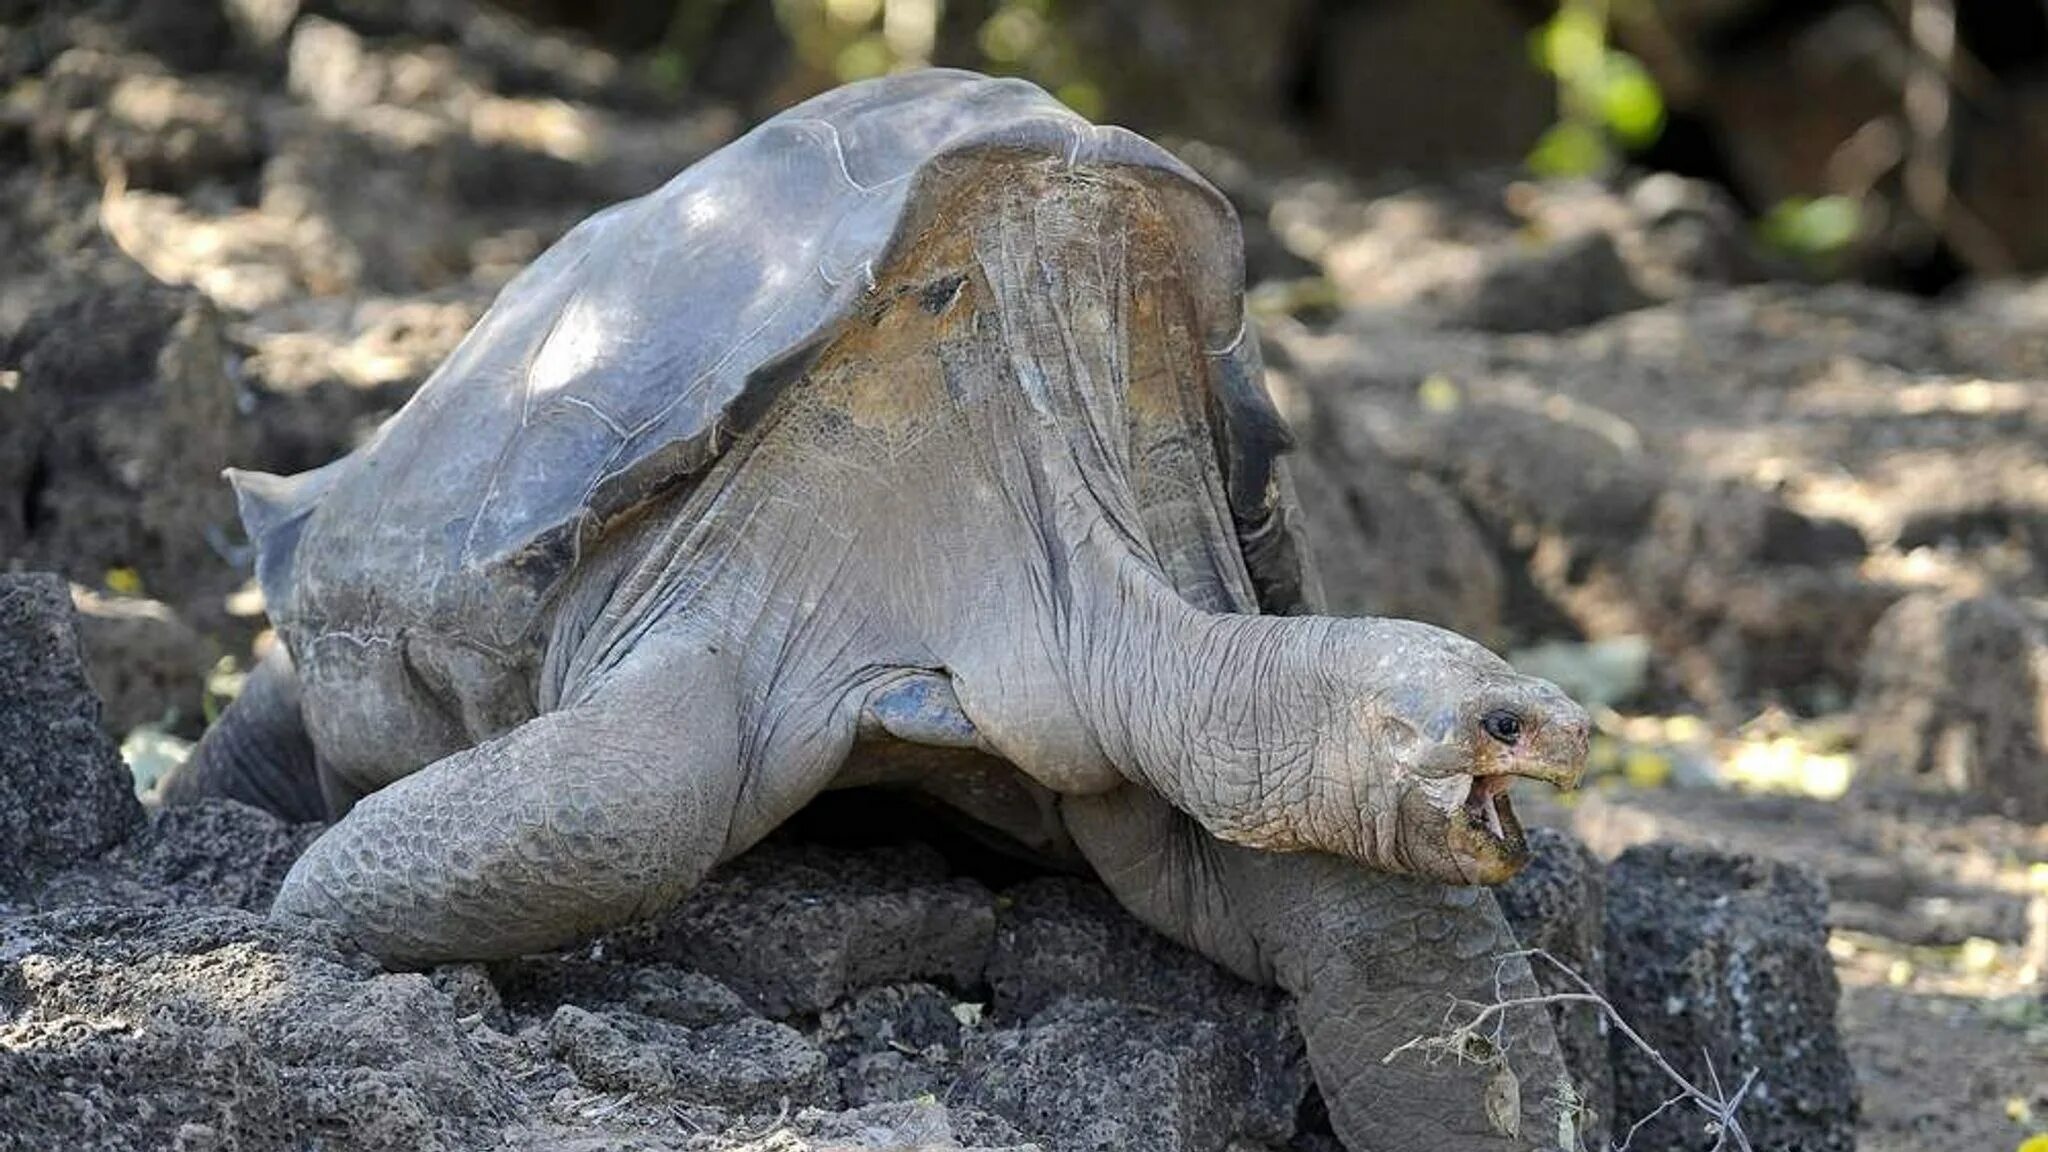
[918,437]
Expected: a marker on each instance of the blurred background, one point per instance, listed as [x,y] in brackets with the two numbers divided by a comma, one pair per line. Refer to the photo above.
[1900,140]
[1693,352]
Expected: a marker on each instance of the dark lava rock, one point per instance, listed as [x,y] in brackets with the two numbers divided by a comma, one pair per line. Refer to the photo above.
[211,852]
[1101,1076]
[469,987]
[1057,938]
[604,1057]
[913,1016]
[1740,590]
[114,435]
[1557,904]
[893,1043]
[907,1125]
[533,985]
[202,1028]
[1151,1045]
[747,1067]
[879,1077]
[1573,282]
[1952,699]
[124,119]
[1390,541]
[794,929]
[1721,957]
[1527,471]
[65,795]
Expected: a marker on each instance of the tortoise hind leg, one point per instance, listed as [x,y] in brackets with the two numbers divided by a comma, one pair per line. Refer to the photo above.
[258,751]
[606,810]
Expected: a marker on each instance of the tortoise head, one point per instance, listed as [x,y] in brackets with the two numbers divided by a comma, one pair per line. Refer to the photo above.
[1407,739]
[1440,728]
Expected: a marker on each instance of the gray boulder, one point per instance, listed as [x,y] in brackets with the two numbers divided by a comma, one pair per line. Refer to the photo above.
[746,1067]
[1951,700]
[1101,1076]
[1724,958]
[795,929]
[65,796]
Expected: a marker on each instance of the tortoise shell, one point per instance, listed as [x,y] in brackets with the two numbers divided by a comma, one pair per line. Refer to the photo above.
[632,353]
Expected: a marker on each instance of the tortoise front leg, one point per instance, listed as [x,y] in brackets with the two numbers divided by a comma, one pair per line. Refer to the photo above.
[604,811]
[1373,961]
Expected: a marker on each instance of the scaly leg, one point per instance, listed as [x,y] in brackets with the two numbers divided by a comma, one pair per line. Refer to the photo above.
[606,810]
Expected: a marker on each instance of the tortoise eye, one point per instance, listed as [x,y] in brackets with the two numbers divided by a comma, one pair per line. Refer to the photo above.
[1502,725]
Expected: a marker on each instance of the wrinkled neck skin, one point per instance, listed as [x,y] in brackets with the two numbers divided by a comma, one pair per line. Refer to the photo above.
[1218,713]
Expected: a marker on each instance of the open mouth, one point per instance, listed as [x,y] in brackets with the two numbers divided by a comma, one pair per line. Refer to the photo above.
[1486,807]
[1485,839]
[1484,828]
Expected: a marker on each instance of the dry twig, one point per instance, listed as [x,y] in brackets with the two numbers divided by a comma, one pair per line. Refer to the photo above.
[1474,1033]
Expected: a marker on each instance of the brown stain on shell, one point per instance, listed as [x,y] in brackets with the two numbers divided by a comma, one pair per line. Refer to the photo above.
[885,367]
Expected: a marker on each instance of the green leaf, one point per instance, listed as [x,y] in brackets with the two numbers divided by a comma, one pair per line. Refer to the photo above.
[866,57]
[1012,34]
[1816,227]
[1629,101]
[1571,44]
[1082,97]
[1439,394]
[1569,149]
[668,70]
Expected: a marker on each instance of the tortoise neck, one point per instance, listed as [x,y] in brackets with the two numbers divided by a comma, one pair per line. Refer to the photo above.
[1206,709]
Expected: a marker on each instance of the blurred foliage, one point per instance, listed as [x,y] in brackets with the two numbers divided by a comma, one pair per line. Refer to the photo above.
[1598,673]
[1815,229]
[1607,101]
[1026,38]
[1439,395]
[1769,98]
[846,40]
[123,581]
[1609,104]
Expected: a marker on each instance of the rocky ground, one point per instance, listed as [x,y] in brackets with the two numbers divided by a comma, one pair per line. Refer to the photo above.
[1775,529]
